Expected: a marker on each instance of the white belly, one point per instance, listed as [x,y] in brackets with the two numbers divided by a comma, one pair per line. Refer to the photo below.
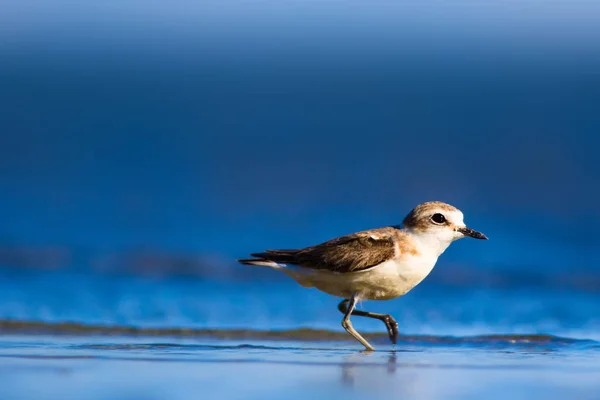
[386,281]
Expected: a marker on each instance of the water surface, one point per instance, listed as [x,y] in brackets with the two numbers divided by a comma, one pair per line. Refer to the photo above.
[95,367]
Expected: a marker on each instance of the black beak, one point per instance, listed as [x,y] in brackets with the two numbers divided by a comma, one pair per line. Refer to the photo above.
[471,233]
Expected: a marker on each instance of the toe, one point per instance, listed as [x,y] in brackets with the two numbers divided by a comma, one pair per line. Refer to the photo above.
[394,333]
[392,326]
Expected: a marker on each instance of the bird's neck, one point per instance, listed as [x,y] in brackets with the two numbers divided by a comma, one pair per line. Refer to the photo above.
[428,242]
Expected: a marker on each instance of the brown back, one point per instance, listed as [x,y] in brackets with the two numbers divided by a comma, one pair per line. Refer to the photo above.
[351,253]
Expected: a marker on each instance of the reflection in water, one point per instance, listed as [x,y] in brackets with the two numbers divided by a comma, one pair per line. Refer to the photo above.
[379,374]
[349,367]
[180,368]
[355,362]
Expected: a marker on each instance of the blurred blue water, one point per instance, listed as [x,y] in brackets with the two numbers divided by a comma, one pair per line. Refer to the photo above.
[216,130]
[144,146]
[431,309]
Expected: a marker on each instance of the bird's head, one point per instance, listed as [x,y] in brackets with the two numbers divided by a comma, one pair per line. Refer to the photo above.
[436,221]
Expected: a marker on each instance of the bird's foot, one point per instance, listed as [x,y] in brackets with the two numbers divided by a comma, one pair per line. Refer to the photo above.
[392,327]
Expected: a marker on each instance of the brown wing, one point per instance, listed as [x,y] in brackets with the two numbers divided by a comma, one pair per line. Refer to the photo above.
[350,253]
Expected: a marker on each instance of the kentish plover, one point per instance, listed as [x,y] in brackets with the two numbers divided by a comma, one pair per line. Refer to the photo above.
[376,264]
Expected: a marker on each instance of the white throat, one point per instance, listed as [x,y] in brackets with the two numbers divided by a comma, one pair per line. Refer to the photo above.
[430,242]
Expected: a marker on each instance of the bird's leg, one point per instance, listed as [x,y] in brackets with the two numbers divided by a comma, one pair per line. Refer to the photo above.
[388,320]
[348,325]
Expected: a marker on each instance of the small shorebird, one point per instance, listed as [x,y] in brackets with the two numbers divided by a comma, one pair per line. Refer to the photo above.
[377,264]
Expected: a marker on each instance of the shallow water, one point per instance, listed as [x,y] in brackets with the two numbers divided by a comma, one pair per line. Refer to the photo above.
[121,367]
[430,308]
[143,148]
[122,337]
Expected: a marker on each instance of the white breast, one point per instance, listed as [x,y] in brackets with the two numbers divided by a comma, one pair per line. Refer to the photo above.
[392,278]
[386,281]
[414,269]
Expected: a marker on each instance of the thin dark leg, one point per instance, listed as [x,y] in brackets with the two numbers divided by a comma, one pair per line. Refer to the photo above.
[388,320]
[348,325]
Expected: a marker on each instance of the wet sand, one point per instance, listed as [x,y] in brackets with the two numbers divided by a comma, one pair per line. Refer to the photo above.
[57,361]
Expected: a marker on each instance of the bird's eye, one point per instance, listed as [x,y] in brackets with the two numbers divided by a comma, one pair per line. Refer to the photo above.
[438,218]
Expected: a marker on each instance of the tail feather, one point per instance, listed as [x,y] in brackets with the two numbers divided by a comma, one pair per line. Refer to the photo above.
[271,258]
[259,262]
[284,256]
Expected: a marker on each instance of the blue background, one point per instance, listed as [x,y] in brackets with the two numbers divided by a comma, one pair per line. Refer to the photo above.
[158,143]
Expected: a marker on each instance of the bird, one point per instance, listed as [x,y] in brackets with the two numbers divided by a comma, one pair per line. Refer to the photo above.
[376,264]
